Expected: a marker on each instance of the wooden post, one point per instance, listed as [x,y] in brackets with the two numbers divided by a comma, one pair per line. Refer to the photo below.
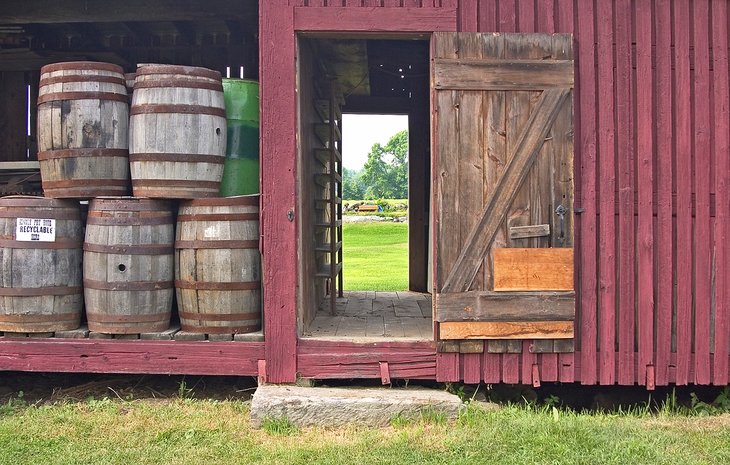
[278,187]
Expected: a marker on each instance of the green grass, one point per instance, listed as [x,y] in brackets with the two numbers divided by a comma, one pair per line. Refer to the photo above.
[375,256]
[218,432]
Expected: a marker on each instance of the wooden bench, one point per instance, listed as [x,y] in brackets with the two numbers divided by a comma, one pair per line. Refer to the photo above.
[367,208]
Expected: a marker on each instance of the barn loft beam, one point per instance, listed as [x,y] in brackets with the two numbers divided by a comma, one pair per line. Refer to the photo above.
[102,11]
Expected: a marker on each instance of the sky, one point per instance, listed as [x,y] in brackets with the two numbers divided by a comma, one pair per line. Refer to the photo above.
[360,132]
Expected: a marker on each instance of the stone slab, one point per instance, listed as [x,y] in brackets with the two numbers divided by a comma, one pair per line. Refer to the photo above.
[321,406]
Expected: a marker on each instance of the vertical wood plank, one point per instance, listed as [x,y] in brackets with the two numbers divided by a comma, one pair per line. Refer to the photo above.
[526,15]
[472,368]
[625,156]
[447,367]
[564,21]
[683,125]
[546,16]
[645,156]
[607,185]
[470,192]
[278,189]
[664,234]
[721,150]
[491,365]
[495,158]
[702,183]
[567,368]
[468,16]
[507,20]
[487,16]
[511,368]
[549,367]
[586,102]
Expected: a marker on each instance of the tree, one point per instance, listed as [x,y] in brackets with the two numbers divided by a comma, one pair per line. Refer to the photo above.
[352,185]
[385,174]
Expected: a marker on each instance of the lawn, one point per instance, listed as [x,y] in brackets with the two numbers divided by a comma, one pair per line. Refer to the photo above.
[375,256]
[192,431]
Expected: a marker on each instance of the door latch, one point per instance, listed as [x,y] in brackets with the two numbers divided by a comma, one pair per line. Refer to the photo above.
[561,211]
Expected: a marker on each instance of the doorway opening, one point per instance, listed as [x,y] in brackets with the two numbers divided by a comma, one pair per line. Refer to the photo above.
[379,291]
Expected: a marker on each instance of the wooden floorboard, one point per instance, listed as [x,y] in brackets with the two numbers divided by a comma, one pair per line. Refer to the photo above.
[375,314]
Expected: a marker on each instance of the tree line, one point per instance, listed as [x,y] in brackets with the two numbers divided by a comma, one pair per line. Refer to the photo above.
[385,174]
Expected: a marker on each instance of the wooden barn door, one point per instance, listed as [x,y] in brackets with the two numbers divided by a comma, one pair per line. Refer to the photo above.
[503,190]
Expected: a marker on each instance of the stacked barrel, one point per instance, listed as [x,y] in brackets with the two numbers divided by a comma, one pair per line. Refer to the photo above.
[166,145]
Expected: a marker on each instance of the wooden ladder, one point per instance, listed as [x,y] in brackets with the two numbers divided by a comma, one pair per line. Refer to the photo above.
[329,183]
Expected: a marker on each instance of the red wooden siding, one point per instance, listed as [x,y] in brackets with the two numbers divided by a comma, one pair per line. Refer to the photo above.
[652,169]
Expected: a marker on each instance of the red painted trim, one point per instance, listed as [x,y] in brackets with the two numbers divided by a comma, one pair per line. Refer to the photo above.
[664,234]
[374,19]
[721,150]
[278,188]
[607,186]
[645,148]
[331,359]
[131,356]
[625,158]
[701,187]
[683,162]
[585,154]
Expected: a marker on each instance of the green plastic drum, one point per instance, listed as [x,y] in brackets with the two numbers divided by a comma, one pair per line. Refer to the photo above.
[241,169]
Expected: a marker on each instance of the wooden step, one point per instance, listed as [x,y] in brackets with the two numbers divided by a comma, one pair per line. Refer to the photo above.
[323,155]
[336,224]
[322,131]
[324,179]
[322,106]
[324,204]
[324,271]
[326,247]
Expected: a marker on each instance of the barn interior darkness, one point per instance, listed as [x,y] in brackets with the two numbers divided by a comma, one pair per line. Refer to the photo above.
[361,75]
[216,34]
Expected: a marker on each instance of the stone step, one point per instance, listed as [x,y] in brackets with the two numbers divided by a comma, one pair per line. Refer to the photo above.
[321,406]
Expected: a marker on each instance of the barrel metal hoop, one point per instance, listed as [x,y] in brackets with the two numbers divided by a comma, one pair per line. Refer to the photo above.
[153,69]
[47,81]
[83,183]
[178,83]
[220,329]
[39,291]
[127,285]
[40,214]
[129,204]
[82,152]
[40,318]
[178,158]
[82,65]
[208,286]
[140,318]
[237,201]
[154,108]
[96,220]
[137,249]
[9,243]
[219,217]
[240,316]
[180,183]
[60,96]
[214,244]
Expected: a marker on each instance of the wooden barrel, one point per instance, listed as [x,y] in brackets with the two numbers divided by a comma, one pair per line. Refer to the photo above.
[218,265]
[128,265]
[41,273]
[177,132]
[83,130]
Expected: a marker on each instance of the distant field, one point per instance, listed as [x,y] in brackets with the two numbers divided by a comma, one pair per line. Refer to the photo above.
[375,256]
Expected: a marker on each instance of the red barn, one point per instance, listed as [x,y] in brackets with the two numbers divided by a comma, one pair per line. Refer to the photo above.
[569,167]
